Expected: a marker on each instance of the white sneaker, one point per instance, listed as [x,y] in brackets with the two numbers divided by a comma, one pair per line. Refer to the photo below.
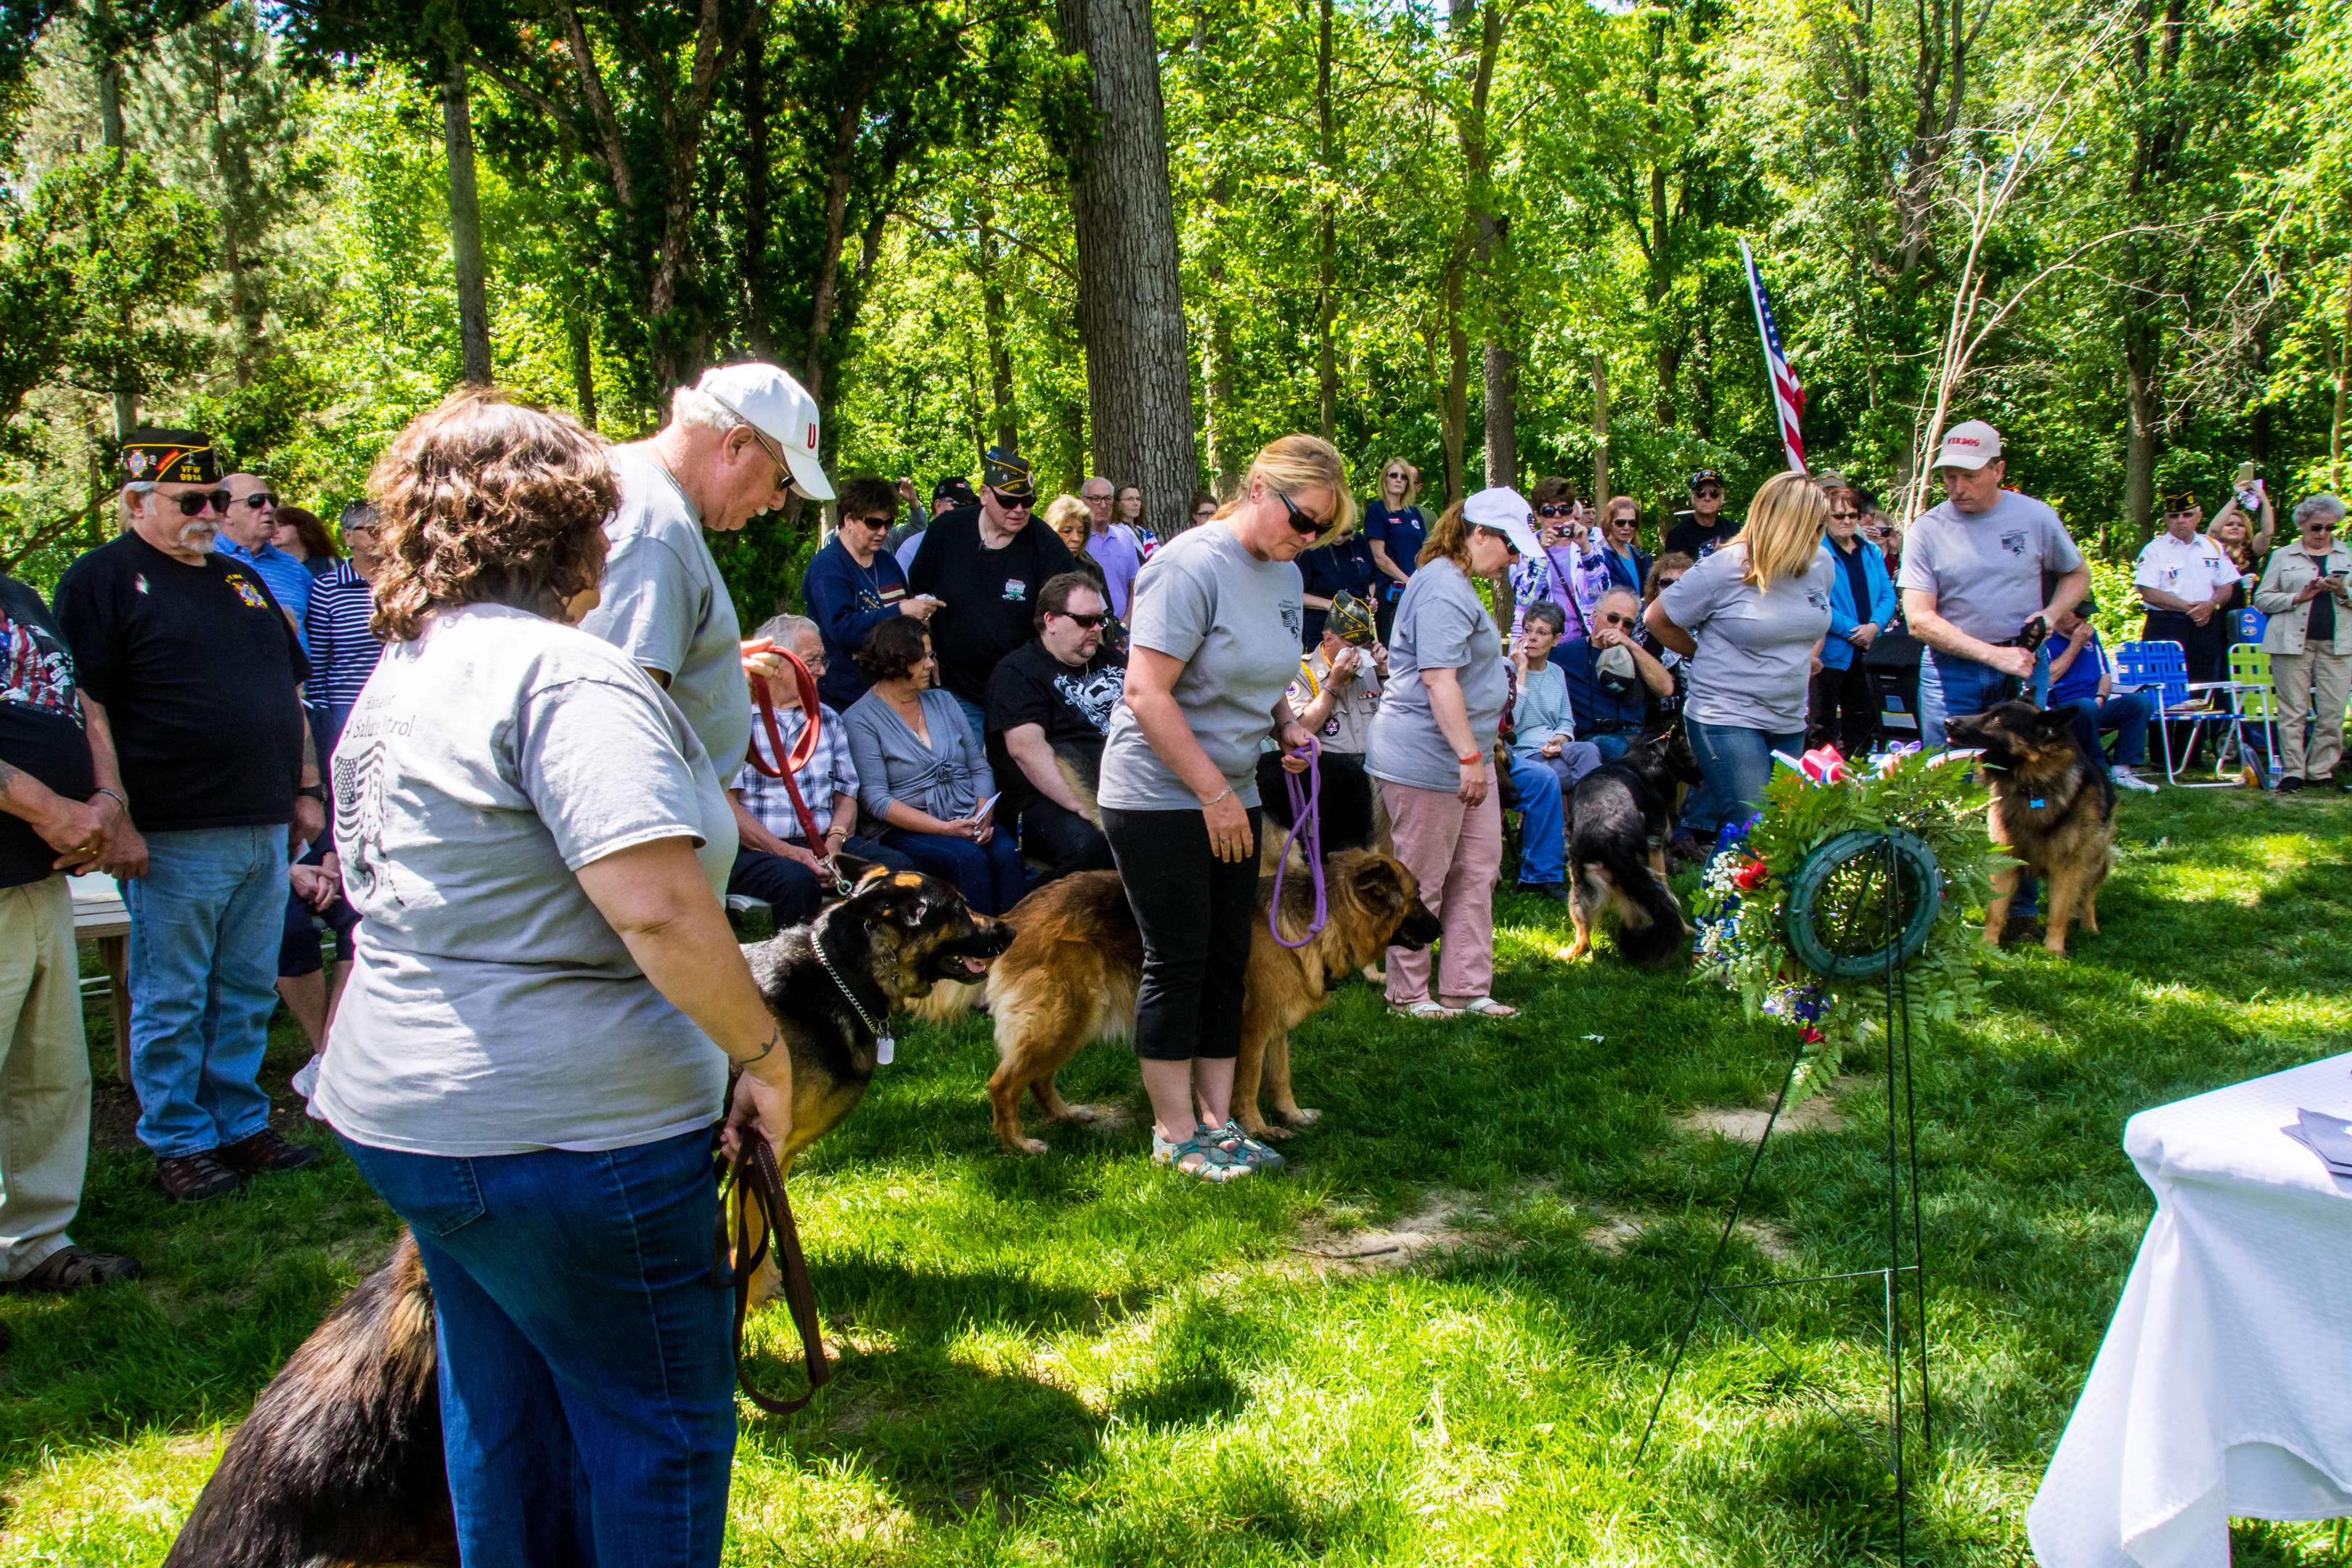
[306,1084]
[2130,779]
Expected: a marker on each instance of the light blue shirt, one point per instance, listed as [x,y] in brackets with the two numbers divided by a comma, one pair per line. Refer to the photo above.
[289,580]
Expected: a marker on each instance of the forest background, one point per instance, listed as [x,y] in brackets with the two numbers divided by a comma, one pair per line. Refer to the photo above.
[1497,237]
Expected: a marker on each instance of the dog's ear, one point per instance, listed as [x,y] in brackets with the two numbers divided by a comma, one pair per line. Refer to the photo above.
[853,870]
[2051,723]
[1380,883]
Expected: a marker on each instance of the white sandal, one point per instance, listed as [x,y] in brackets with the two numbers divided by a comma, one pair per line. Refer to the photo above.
[1487,1007]
[1426,1012]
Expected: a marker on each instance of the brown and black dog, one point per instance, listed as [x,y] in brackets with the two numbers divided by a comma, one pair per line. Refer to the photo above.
[1072,974]
[341,1461]
[2053,807]
[1619,817]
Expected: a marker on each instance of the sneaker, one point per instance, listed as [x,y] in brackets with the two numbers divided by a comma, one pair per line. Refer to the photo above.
[194,1178]
[2291,783]
[305,1083]
[1556,891]
[73,1268]
[2128,778]
[266,1151]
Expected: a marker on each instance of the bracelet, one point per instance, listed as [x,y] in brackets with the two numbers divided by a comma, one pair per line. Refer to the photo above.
[831,831]
[1216,797]
[116,798]
[1473,757]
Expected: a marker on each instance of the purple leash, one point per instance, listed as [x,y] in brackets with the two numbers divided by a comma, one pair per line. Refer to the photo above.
[1305,824]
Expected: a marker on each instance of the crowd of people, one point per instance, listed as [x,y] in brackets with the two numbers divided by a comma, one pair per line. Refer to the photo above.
[496,733]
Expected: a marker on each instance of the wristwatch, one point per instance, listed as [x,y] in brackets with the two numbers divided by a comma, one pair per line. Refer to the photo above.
[314,792]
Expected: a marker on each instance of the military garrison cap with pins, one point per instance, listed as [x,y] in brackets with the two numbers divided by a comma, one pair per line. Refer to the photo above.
[159,457]
[1005,472]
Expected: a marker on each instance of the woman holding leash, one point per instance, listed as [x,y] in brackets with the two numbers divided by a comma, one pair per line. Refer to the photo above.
[1214,629]
[1751,616]
[1432,746]
[523,1065]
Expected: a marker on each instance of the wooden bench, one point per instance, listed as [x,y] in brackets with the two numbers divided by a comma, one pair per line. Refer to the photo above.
[100,916]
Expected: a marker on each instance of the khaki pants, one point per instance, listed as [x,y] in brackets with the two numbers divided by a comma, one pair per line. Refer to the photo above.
[44,1075]
[2293,676]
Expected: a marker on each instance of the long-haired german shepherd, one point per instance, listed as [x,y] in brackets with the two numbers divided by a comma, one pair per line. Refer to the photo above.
[2053,807]
[341,1461]
[1072,974]
[1619,818]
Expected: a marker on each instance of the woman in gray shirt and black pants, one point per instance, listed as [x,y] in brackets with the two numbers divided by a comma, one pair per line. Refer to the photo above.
[1215,624]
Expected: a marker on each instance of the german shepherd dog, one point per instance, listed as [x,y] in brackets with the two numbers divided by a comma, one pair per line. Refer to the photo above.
[341,1461]
[1072,974]
[2053,807]
[1619,818]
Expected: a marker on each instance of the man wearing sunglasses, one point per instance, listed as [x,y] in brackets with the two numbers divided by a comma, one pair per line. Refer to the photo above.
[986,566]
[1049,707]
[2184,581]
[246,535]
[741,441]
[1701,530]
[193,676]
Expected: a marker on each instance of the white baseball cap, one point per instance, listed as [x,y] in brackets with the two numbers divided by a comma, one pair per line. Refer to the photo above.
[1968,444]
[780,409]
[1506,512]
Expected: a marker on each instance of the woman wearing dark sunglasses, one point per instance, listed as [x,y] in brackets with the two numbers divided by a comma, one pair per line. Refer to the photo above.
[1214,639]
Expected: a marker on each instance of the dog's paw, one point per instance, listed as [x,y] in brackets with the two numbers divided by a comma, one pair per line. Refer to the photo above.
[1033,1145]
[1082,1112]
[1302,1116]
[1267,1132]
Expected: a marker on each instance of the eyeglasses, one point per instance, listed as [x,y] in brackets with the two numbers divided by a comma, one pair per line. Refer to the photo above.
[1099,501]
[1709,493]
[1499,533]
[2180,511]
[1088,622]
[1845,517]
[1012,503]
[193,505]
[1304,522]
[783,470]
[1398,474]
[1616,620]
[256,501]
[1557,508]
[887,519]
[814,663]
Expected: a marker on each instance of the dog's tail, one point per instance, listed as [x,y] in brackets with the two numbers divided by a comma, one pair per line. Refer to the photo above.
[1656,935]
[341,1461]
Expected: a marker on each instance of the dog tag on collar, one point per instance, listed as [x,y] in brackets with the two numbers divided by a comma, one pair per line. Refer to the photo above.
[885,1048]
[2037,805]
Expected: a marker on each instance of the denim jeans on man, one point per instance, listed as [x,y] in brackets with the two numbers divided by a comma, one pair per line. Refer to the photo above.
[1737,764]
[2128,714]
[587,1383]
[207,921]
[1543,824]
[1948,685]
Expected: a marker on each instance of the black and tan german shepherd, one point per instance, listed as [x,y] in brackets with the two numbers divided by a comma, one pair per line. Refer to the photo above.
[341,1461]
[1619,818]
[2053,807]
[1072,974]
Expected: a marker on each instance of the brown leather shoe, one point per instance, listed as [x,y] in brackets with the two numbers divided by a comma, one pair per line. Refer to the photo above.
[265,1151]
[77,1268]
[192,1178]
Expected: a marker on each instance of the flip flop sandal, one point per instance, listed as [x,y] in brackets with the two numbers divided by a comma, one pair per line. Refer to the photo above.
[1426,1012]
[1487,1007]
[1256,1155]
[1216,1167]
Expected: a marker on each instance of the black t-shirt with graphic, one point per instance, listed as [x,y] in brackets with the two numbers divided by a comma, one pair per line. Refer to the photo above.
[988,598]
[40,724]
[196,666]
[1073,704]
[1697,541]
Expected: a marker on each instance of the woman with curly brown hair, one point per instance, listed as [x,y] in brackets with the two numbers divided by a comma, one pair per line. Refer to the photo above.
[523,1062]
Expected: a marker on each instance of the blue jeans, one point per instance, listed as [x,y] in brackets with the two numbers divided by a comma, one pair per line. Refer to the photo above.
[1543,823]
[1615,745]
[587,1382]
[2128,715]
[989,876]
[790,888]
[1736,764]
[207,921]
[975,719]
[1949,686]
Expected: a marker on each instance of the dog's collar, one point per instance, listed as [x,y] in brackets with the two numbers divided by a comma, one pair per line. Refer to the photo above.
[885,1048]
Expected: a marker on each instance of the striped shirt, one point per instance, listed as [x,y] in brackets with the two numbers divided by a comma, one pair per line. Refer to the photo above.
[342,650]
[829,772]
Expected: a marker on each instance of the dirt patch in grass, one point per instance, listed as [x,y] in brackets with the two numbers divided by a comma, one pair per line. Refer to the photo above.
[1616,1231]
[1818,1113]
[1446,1223]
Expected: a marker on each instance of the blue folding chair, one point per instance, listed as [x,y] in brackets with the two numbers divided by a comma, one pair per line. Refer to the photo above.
[2164,666]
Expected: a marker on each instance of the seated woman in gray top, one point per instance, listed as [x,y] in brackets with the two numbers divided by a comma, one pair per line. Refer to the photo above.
[922,777]
[534,1043]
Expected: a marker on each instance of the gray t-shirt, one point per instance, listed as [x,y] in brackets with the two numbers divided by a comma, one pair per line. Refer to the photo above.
[1755,655]
[1440,624]
[1234,621]
[662,602]
[493,1010]
[1985,568]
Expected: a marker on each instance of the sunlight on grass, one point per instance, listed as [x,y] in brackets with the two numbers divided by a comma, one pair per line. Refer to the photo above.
[1074,1359]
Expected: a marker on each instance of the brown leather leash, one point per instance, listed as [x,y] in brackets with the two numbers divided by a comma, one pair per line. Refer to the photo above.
[757,1167]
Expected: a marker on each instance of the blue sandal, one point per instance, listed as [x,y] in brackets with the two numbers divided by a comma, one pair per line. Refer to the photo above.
[1217,1166]
[1249,1150]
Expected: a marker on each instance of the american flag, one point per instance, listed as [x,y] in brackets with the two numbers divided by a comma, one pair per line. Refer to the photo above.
[1788,392]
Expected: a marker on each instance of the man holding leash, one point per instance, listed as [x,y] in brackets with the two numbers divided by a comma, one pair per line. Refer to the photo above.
[738,441]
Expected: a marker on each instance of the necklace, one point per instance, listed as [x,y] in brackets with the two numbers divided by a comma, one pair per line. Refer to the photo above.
[885,1048]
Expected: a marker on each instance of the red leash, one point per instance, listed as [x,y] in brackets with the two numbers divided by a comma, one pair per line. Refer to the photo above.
[802,751]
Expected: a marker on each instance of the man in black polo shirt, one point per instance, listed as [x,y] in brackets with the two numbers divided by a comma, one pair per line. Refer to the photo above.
[1053,695]
[985,564]
[60,804]
[1704,528]
[189,665]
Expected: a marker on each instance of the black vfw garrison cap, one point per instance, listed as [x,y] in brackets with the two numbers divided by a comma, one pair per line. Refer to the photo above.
[1004,472]
[159,456]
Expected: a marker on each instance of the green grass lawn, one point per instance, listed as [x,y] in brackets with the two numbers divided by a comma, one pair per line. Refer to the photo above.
[1076,1358]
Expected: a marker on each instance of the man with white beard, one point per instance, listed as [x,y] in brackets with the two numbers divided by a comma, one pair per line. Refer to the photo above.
[193,673]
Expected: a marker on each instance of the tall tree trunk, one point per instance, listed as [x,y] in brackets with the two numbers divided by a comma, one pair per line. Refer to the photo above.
[1130,295]
[836,225]
[466,224]
[1599,429]
[2343,386]
[583,368]
[757,333]
[1004,412]
[1326,245]
[2143,412]
[1217,357]
[1453,406]
[1474,244]
[1502,366]
[110,127]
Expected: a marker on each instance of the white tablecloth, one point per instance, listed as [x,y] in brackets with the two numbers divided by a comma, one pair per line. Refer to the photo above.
[2224,1386]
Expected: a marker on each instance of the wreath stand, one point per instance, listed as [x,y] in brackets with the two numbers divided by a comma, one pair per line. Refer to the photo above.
[1837,896]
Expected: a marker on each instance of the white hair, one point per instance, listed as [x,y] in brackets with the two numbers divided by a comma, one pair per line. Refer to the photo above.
[692,407]
[784,630]
[2322,504]
[1099,480]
